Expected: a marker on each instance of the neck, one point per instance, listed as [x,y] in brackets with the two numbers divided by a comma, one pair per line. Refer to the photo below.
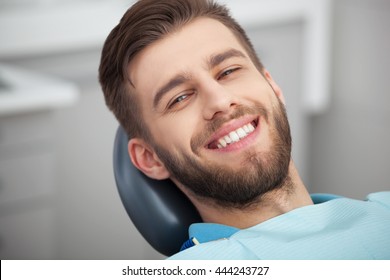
[271,204]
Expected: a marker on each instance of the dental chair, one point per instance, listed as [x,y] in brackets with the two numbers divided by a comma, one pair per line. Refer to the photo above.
[160,212]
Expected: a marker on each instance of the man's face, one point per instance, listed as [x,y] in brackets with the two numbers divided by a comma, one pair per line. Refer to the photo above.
[217,123]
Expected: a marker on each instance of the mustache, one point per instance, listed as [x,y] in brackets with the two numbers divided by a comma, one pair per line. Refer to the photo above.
[212,126]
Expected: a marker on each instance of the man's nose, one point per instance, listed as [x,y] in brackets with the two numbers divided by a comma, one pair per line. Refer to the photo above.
[217,100]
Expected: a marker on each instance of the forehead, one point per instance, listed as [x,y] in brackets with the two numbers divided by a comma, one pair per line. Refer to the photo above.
[181,51]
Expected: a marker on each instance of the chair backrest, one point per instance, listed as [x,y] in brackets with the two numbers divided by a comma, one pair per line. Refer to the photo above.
[158,209]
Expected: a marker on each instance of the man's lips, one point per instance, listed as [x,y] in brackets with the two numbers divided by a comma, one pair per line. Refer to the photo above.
[233,132]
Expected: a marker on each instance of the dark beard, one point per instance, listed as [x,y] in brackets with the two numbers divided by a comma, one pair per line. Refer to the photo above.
[236,188]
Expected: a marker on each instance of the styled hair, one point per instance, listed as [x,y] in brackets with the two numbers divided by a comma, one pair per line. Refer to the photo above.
[144,23]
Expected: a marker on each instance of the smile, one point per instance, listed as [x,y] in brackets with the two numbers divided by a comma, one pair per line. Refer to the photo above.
[234,136]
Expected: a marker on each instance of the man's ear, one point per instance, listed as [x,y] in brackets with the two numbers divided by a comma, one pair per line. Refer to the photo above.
[274,85]
[146,160]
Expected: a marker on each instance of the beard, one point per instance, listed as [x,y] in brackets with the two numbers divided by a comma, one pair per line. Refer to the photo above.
[260,173]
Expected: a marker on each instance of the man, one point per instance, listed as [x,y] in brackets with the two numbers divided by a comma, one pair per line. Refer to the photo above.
[184,81]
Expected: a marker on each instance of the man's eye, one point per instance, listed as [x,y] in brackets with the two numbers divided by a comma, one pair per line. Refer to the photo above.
[227,73]
[180,98]
[177,100]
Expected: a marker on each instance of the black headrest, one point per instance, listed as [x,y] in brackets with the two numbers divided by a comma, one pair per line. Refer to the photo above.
[158,209]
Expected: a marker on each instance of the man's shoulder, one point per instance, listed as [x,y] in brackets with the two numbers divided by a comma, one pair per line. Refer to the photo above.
[223,249]
[319,231]
[381,198]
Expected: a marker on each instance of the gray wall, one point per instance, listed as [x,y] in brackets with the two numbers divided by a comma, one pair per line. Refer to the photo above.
[350,151]
[89,221]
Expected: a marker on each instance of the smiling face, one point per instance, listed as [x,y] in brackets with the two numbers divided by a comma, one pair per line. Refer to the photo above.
[218,126]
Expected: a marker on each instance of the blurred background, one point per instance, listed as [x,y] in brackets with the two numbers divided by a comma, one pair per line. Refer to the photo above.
[58,198]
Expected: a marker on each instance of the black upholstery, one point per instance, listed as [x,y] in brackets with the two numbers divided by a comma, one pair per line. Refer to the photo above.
[160,212]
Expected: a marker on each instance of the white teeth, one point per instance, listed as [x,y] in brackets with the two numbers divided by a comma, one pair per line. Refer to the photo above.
[235,136]
[250,127]
[227,139]
[241,133]
[222,142]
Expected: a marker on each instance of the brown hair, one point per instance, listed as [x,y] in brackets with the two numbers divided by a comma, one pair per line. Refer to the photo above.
[144,23]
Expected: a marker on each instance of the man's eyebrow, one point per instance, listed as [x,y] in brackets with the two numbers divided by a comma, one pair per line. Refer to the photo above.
[171,84]
[213,61]
[217,59]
